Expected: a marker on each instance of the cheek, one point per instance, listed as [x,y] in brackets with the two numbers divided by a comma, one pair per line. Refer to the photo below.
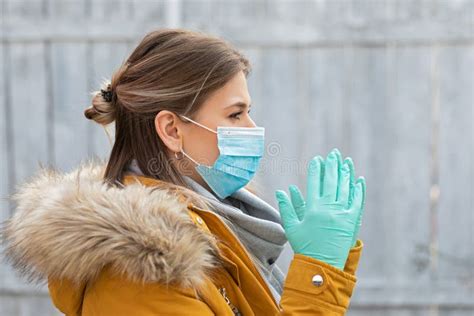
[202,147]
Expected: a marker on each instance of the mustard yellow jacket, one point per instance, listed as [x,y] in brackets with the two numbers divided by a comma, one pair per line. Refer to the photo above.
[142,250]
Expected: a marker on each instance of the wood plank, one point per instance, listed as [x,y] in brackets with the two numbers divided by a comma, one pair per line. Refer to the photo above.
[5,129]
[456,170]
[98,10]
[6,167]
[30,121]
[69,86]
[72,9]
[390,106]
[283,114]
[29,103]
[386,311]
[27,306]
[149,12]
[24,9]
[270,33]
[367,97]
[326,122]
[415,295]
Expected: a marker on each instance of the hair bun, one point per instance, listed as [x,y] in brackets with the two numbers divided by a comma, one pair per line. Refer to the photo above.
[107,93]
[103,109]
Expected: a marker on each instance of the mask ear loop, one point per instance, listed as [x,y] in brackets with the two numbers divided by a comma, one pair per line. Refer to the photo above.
[186,155]
[203,126]
[181,149]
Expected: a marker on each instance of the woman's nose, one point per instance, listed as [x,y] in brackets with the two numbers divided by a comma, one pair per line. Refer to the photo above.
[251,123]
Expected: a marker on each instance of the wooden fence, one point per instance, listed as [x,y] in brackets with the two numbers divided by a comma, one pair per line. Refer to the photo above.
[388,82]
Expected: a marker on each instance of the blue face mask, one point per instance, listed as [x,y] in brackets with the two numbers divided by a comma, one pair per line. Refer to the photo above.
[240,151]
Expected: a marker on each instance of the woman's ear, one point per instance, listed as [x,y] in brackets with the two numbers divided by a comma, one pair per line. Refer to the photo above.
[167,127]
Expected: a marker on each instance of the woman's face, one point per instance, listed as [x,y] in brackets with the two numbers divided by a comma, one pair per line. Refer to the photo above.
[228,106]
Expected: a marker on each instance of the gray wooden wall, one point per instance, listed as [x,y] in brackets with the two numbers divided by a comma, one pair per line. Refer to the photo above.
[388,82]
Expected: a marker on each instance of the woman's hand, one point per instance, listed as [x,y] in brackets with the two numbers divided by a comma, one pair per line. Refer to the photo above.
[326,225]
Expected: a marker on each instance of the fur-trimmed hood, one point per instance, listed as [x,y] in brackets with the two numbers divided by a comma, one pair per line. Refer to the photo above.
[71,225]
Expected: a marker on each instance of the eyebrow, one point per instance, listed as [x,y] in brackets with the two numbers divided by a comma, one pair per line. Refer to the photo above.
[240,104]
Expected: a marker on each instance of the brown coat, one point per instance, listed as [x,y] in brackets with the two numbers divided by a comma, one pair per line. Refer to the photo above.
[141,250]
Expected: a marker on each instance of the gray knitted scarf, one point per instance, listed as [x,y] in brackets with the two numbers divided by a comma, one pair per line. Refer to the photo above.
[255,222]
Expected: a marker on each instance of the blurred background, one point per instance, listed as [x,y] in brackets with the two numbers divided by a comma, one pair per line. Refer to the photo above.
[388,82]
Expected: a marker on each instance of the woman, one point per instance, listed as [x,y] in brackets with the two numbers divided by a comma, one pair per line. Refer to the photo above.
[169,224]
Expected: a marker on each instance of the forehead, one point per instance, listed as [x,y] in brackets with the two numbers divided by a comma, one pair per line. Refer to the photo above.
[235,90]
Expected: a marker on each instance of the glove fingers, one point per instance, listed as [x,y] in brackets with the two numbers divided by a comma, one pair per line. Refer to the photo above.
[298,201]
[331,175]
[347,183]
[287,212]
[358,201]
[314,180]
[358,206]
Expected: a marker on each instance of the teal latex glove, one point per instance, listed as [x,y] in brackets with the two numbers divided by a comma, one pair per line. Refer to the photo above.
[326,225]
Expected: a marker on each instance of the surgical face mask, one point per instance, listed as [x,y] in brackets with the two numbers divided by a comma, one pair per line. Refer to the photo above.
[240,151]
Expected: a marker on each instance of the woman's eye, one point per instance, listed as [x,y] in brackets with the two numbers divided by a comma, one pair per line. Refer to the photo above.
[235,115]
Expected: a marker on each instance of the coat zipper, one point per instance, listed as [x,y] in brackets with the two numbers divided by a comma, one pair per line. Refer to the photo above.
[235,310]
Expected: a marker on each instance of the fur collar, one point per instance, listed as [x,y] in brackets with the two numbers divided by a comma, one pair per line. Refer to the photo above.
[71,225]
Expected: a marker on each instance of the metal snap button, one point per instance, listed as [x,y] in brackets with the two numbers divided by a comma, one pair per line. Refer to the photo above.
[317,280]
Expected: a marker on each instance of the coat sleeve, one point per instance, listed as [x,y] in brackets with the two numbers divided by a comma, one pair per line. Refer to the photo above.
[332,297]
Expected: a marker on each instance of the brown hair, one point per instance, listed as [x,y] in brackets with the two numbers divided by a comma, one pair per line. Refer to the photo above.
[172,69]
